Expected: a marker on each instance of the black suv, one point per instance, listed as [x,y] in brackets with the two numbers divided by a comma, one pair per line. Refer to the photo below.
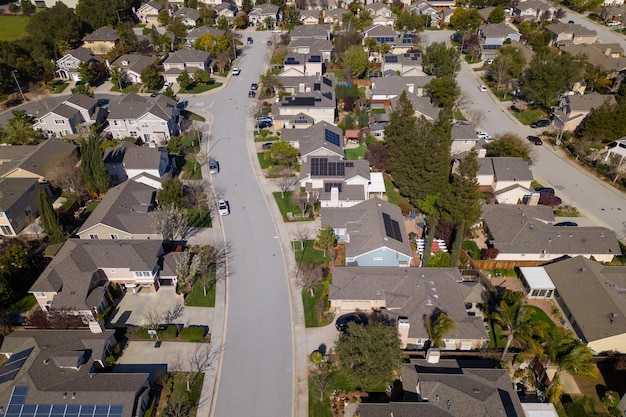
[540,123]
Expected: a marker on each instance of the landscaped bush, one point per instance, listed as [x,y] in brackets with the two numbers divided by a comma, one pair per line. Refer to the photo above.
[193,334]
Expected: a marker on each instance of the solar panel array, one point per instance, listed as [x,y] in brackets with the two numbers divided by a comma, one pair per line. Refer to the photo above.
[328,186]
[327,81]
[315,58]
[332,137]
[320,167]
[17,408]
[392,228]
[13,365]
[391,58]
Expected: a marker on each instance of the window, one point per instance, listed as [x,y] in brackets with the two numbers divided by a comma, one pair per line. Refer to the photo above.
[94,237]
[133,133]
[144,124]
[116,123]
[542,293]
[27,211]
[535,293]
[6,230]
[40,295]
[163,123]
[377,258]
[59,122]
[114,237]
[131,122]
[549,294]
[2,215]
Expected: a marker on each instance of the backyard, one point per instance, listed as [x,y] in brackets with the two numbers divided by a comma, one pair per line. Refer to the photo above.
[13,27]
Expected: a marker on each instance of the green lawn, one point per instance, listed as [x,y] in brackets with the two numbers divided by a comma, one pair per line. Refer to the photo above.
[310,304]
[13,27]
[24,304]
[196,218]
[495,334]
[285,205]
[458,115]
[193,334]
[89,209]
[340,74]
[192,116]
[310,255]
[134,88]
[57,86]
[379,111]
[471,247]
[263,161]
[200,88]
[197,298]
[393,196]
[191,170]
[540,315]
[356,153]
[528,116]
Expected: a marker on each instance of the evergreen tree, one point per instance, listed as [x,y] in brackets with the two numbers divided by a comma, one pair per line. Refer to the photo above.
[95,175]
[49,219]
[457,245]
[463,201]
[171,194]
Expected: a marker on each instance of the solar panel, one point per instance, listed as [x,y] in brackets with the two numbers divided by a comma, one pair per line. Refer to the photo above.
[332,137]
[321,167]
[17,408]
[349,164]
[327,82]
[315,58]
[391,59]
[392,228]
[13,365]
[317,87]
[328,186]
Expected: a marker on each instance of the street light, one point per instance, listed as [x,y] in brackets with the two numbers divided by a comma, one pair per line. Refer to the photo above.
[18,85]
[118,15]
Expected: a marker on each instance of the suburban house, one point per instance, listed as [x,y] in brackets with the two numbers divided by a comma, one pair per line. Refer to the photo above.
[464,138]
[425,9]
[608,56]
[227,10]
[534,10]
[194,34]
[616,152]
[101,41]
[78,277]
[508,179]
[34,161]
[383,89]
[190,17]
[123,214]
[132,65]
[384,33]
[527,234]
[422,106]
[152,119]
[320,106]
[407,65]
[322,139]
[492,37]
[127,160]
[65,118]
[451,388]
[410,295]
[308,47]
[334,16]
[260,14]
[310,17]
[303,65]
[320,32]
[68,64]
[337,183]
[381,14]
[570,34]
[373,233]
[148,13]
[19,204]
[186,59]
[593,301]
[61,373]
[572,109]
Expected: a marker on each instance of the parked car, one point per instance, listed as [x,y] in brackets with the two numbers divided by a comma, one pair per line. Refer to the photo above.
[254,86]
[535,139]
[250,40]
[342,322]
[167,84]
[490,61]
[264,124]
[267,146]
[566,224]
[482,88]
[251,93]
[483,135]
[545,190]
[236,71]
[223,207]
[265,119]
[613,23]
[214,166]
[540,123]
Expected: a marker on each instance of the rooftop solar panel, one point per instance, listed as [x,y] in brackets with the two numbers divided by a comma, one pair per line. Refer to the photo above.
[328,186]
[392,228]
[17,408]
[332,137]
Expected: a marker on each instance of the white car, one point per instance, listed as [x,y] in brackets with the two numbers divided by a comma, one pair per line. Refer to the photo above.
[482,88]
[236,71]
[167,84]
[223,207]
[483,135]
[613,23]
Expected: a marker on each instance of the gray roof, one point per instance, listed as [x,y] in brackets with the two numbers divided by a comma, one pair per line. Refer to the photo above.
[316,46]
[187,13]
[134,62]
[420,104]
[12,189]
[313,139]
[463,131]
[588,102]
[609,56]
[34,159]
[366,227]
[396,84]
[82,54]
[265,8]
[307,100]
[133,156]
[592,292]
[575,29]
[71,271]
[379,30]
[125,207]
[203,30]
[102,34]
[413,293]
[310,31]
[505,168]
[132,106]
[184,56]
[534,4]
[81,100]
[529,229]
[497,30]
[48,383]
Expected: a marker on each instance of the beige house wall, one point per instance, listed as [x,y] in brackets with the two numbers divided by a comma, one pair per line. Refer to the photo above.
[99,47]
[614,343]
[105,232]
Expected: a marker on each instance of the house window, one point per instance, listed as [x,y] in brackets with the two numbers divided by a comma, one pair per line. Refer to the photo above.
[133,133]
[535,293]
[114,237]
[94,237]
[40,295]
[549,294]
[59,122]
[144,124]
[6,230]
[163,123]
[27,211]
[131,122]
[542,293]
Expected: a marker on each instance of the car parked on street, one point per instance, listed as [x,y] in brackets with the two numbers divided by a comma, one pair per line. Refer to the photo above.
[214,166]
[251,93]
[482,88]
[264,124]
[223,207]
[535,139]
[254,86]
[236,71]
[540,123]
[250,40]
[483,135]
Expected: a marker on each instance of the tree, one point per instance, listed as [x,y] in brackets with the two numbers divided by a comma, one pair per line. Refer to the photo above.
[184,80]
[92,168]
[187,267]
[169,222]
[170,93]
[509,144]
[377,156]
[440,61]
[151,78]
[283,153]
[438,325]
[270,83]
[128,39]
[246,6]
[118,78]
[171,194]
[55,27]
[497,14]
[508,64]
[309,276]
[202,76]
[466,20]
[321,378]
[27,7]
[49,218]
[163,18]
[463,202]
[285,183]
[18,130]
[443,90]
[326,239]
[440,259]
[291,18]
[178,28]
[354,61]
[83,89]
[410,22]
[222,23]
[550,75]
[64,172]
[87,73]
[363,20]
[370,355]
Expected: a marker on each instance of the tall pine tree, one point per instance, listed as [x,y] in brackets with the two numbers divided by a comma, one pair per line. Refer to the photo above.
[92,166]
[49,219]
[463,202]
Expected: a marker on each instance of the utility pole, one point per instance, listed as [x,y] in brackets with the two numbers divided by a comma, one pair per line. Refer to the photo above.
[18,85]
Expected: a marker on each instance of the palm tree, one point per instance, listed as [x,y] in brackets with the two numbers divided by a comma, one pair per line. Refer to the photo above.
[437,326]
[516,320]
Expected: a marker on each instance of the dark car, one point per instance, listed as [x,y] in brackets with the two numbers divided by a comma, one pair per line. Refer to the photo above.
[250,40]
[534,139]
[548,199]
[254,86]
[566,224]
[546,190]
[264,124]
[342,322]
[251,94]
[267,146]
[540,123]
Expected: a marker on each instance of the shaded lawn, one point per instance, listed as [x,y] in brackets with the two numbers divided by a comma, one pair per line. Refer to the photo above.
[263,161]
[196,218]
[24,304]
[356,153]
[197,298]
[192,170]
[89,209]
[57,86]
[393,195]
[200,88]
[13,27]
[180,389]
[285,205]
[311,255]
[540,315]
[192,116]
[496,338]
[529,116]
[471,247]
[322,408]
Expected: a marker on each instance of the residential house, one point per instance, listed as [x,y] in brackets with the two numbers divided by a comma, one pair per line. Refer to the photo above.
[320,140]
[19,204]
[608,56]
[262,14]
[132,65]
[451,388]
[616,153]
[152,119]
[492,37]
[293,83]
[410,295]
[148,13]
[319,31]
[101,41]
[127,160]
[508,179]
[34,161]
[536,282]
[422,106]
[527,234]
[381,14]
[334,17]
[442,4]
[406,65]
[534,10]
[337,183]
[189,60]
[68,64]
[614,11]
[188,16]
[425,9]
[593,301]
[62,373]
[381,33]
[373,233]
[321,107]
[302,65]
[570,34]
[310,17]
[227,10]
[322,48]
[67,117]
[573,109]
[78,277]
[384,89]
[464,138]
[123,213]
[194,34]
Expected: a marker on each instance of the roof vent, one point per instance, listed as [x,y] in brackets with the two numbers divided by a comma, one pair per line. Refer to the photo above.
[46,361]
[476,391]
[64,395]
[583,269]
[613,315]
[571,235]
[601,234]
[531,226]
[74,395]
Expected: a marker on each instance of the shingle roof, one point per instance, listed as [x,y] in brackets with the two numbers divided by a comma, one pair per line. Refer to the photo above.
[379,30]
[132,106]
[505,168]
[396,84]
[578,30]
[313,138]
[102,34]
[184,56]
[37,158]
[12,189]
[187,12]
[608,56]
[413,293]
[420,104]
[134,62]
[82,54]
[497,30]
[133,156]
[308,31]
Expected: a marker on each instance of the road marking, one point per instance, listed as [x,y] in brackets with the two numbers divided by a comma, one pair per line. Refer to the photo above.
[200,104]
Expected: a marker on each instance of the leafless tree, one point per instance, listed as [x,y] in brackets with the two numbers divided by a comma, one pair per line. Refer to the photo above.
[213,263]
[520,105]
[196,195]
[314,198]
[63,172]
[174,312]
[202,359]
[286,183]
[170,222]
[187,266]
[302,234]
[321,379]
[309,276]
[301,200]
[152,318]
[201,158]
[178,407]
[475,116]
[464,101]
[41,94]
[500,70]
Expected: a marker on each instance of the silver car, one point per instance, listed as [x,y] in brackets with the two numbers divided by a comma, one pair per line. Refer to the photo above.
[223,207]
[214,166]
